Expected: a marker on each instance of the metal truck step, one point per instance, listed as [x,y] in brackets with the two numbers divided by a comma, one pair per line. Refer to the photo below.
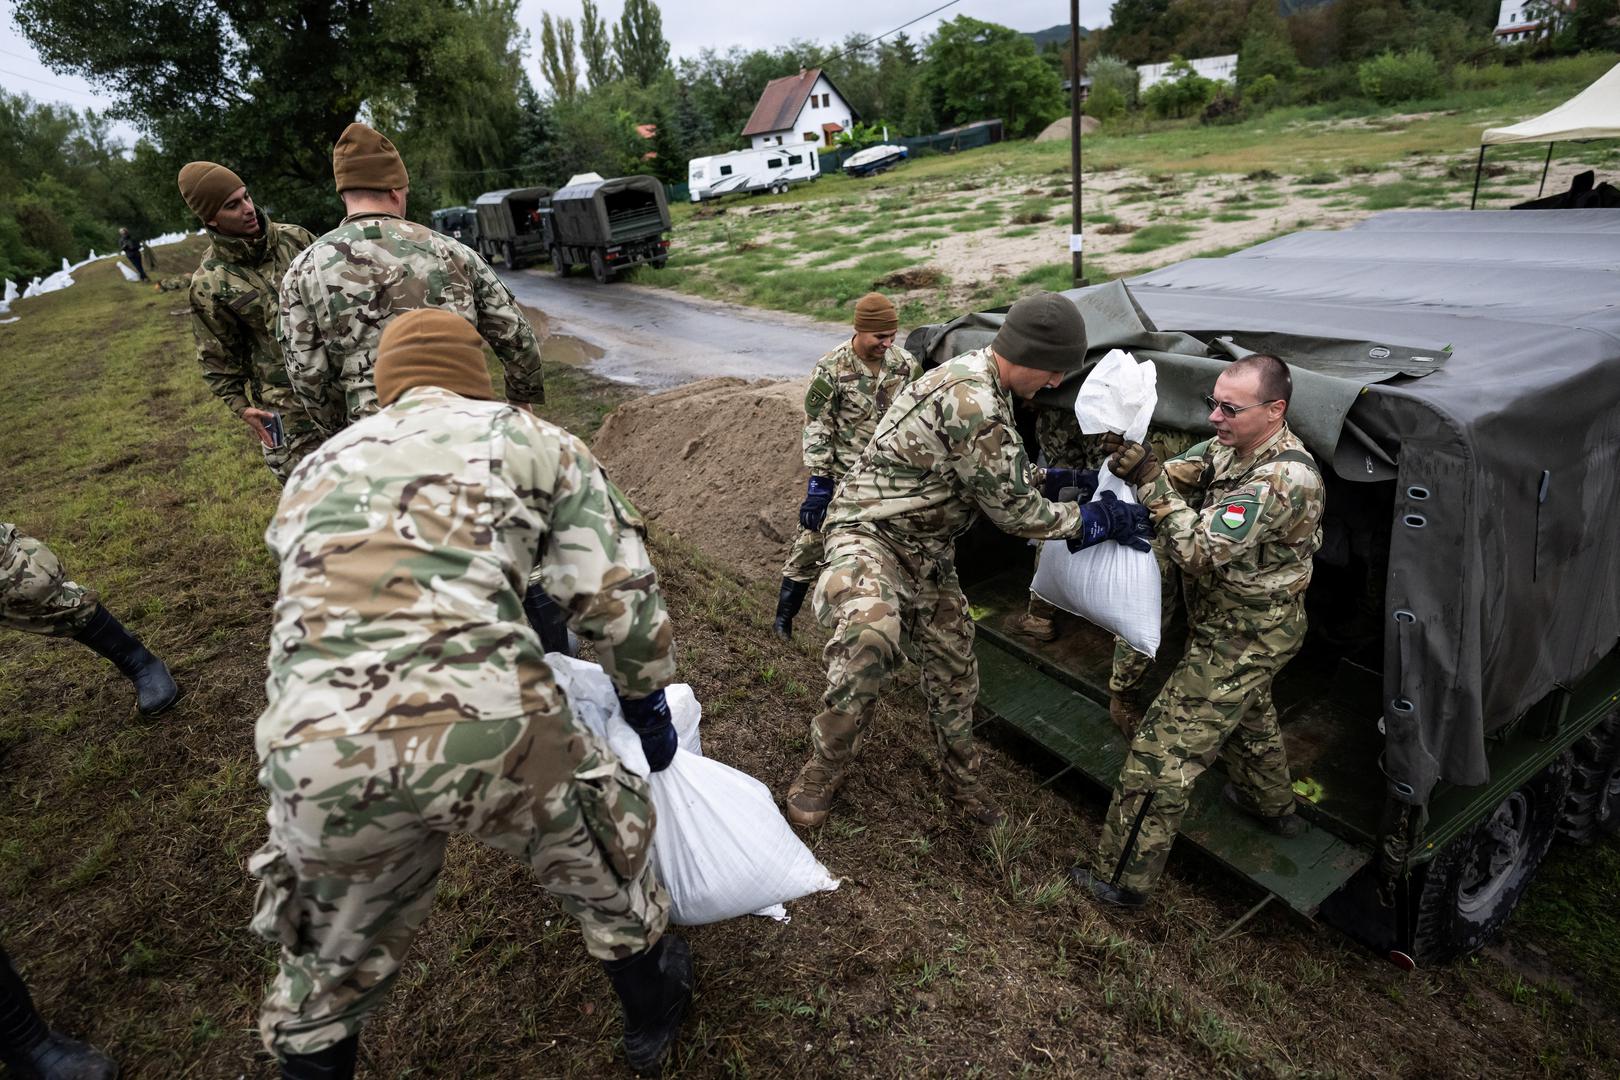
[1302,872]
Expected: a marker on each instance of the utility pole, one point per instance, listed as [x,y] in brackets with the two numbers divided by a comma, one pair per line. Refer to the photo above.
[1075,235]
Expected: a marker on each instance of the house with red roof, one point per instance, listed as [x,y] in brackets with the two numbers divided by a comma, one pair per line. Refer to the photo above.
[798,109]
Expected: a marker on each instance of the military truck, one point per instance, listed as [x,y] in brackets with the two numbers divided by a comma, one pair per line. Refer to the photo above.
[510,227]
[460,223]
[609,225]
[1454,709]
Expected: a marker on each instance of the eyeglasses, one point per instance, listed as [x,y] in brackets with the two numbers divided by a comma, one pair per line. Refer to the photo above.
[1229,410]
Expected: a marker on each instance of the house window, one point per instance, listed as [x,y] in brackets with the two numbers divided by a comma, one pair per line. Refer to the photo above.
[773,163]
[725,170]
[811,136]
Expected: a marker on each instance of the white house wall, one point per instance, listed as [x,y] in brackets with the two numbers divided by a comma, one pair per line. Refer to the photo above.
[1219,68]
[836,111]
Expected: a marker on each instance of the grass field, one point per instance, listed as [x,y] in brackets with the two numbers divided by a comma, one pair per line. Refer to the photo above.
[124,898]
[993,223]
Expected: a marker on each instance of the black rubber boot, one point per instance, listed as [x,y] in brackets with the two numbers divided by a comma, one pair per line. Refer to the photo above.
[655,988]
[549,621]
[32,1051]
[1107,891]
[155,690]
[788,603]
[336,1062]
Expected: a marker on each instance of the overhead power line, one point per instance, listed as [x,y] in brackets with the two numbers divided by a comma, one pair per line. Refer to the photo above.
[43,82]
[896,30]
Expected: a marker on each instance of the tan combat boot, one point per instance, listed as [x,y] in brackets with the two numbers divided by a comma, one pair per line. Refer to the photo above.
[811,796]
[1030,625]
[1126,714]
[975,804]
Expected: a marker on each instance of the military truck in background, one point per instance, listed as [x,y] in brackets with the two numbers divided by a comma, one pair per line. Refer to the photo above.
[510,227]
[1456,705]
[459,223]
[609,225]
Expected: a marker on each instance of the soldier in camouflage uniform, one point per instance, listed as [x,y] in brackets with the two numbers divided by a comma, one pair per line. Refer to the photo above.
[409,701]
[235,297]
[946,451]
[850,389]
[1241,516]
[38,597]
[342,291]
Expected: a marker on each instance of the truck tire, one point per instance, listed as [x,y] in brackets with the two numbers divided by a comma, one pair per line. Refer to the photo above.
[1592,807]
[599,268]
[558,263]
[1472,885]
[506,253]
[660,262]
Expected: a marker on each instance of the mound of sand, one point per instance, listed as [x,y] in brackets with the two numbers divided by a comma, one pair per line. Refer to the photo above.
[717,463]
[1059,129]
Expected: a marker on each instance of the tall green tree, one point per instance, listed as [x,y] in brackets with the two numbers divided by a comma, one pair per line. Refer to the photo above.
[596,44]
[981,71]
[638,42]
[1139,31]
[1266,48]
[559,64]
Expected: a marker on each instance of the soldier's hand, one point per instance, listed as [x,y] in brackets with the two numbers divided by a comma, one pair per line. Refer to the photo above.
[1109,442]
[1110,519]
[1059,483]
[649,718]
[1134,464]
[256,419]
[813,511]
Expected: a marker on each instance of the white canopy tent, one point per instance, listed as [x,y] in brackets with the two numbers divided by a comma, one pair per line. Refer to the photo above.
[1594,113]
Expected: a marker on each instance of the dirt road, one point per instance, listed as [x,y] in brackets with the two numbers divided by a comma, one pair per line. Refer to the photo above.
[658,339]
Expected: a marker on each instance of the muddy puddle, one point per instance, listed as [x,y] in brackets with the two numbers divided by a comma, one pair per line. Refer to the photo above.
[567,349]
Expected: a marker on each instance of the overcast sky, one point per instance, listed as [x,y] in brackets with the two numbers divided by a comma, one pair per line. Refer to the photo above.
[690,25]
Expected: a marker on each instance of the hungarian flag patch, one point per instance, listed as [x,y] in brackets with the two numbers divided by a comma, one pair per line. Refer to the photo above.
[1235,517]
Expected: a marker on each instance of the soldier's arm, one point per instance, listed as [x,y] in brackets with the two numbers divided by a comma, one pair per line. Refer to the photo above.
[303,349]
[501,323]
[221,349]
[819,455]
[594,562]
[997,474]
[1275,505]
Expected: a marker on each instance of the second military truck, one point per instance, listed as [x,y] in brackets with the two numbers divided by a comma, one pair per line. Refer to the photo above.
[608,225]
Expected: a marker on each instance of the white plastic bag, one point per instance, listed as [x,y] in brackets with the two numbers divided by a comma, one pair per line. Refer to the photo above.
[1112,585]
[722,848]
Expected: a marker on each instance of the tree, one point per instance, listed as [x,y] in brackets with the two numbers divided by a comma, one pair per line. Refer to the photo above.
[1183,92]
[594,43]
[267,88]
[1137,33]
[1266,49]
[638,42]
[980,71]
[558,63]
[1113,74]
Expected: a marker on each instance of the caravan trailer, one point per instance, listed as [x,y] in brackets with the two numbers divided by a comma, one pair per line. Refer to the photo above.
[769,168]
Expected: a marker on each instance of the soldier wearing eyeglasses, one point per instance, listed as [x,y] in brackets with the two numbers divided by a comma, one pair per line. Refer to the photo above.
[1240,515]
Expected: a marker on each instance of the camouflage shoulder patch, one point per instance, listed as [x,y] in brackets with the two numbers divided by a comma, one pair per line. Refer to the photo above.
[1197,450]
[1234,518]
[820,392]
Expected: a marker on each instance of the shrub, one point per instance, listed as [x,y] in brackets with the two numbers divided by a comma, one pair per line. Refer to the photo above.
[1183,93]
[1263,92]
[1223,108]
[1392,77]
[1111,73]
[1105,103]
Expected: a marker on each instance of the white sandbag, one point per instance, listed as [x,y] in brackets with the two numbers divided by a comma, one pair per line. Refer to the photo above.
[685,711]
[129,275]
[1112,585]
[595,704]
[722,848]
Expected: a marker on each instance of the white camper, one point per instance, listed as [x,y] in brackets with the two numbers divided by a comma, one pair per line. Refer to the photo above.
[769,168]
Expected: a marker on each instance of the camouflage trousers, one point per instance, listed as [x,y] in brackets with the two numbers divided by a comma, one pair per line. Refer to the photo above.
[805,557]
[36,594]
[1217,703]
[358,827]
[882,608]
[302,436]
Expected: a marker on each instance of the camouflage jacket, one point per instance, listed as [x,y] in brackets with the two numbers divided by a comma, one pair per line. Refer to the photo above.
[234,299]
[845,402]
[946,450]
[405,544]
[341,292]
[1253,523]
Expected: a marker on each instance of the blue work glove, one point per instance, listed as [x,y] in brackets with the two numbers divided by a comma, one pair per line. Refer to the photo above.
[649,718]
[813,511]
[1084,481]
[1110,519]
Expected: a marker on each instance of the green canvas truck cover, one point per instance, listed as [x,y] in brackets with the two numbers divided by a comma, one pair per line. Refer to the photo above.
[585,211]
[1472,358]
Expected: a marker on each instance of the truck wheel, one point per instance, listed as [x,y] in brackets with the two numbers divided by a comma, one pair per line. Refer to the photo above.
[1592,808]
[660,262]
[558,263]
[506,253]
[599,269]
[1472,885]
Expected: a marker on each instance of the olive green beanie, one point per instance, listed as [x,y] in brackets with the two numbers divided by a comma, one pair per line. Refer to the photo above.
[205,186]
[1044,331]
[365,158]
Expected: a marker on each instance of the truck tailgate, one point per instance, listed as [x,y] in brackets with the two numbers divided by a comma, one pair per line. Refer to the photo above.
[1302,872]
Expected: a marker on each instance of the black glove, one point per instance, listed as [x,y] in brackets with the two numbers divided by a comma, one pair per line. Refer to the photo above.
[1083,481]
[649,718]
[1110,519]
[813,511]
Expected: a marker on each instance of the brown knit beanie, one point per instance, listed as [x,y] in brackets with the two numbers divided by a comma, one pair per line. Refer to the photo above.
[431,347]
[874,314]
[205,186]
[1044,331]
[363,158]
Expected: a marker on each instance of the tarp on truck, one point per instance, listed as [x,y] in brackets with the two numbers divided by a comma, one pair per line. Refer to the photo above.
[597,211]
[1487,386]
